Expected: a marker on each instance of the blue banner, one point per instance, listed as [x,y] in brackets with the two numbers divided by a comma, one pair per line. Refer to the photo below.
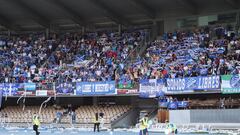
[151,88]
[173,104]
[95,88]
[65,88]
[163,104]
[183,104]
[30,86]
[208,83]
[10,89]
[193,83]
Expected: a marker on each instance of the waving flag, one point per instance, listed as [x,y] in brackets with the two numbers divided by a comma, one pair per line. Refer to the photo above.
[80,58]
[65,49]
[189,62]
[137,63]
[221,50]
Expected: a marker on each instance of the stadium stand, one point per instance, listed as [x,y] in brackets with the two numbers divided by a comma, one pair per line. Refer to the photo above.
[188,54]
[81,63]
[70,58]
[65,59]
[85,114]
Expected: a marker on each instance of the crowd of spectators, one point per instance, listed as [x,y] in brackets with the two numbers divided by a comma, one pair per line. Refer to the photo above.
[21,57]
[104,56]
[188,54]
[65,58]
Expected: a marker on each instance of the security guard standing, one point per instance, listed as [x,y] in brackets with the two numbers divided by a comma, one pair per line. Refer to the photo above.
[144,125]
[36,124]
[96,122]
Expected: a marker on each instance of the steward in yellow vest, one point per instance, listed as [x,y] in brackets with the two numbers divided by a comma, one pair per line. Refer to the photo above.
[36,124]
[96,122]
[144,125]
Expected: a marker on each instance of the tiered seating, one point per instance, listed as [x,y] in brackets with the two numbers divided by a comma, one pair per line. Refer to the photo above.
[103,57]
[68,58]
[21,58]
[92,57]
[85,114]
[187,54]
[16,114]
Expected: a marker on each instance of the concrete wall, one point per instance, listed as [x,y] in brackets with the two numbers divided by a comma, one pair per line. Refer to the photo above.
[215,116]
[205,116]
[180,116]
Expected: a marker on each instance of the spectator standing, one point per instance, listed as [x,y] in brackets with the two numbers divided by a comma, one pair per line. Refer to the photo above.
[73,114]
[222,103]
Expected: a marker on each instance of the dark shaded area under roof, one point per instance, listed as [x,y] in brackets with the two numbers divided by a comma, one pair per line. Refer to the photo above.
[64,14]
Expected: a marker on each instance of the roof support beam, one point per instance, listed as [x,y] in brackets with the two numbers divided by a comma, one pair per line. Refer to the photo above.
[189,5]
[233,3]
[111,14]
[145,8]
[70,13]
[37,17]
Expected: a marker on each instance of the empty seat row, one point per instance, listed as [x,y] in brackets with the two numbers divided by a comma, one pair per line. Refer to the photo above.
[84,114]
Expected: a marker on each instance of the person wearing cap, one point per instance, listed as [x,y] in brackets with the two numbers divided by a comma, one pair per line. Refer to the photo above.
[144,125]
[36,123]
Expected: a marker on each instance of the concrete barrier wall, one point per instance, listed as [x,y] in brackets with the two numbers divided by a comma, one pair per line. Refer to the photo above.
[215,116]
[179,116]
[205,116]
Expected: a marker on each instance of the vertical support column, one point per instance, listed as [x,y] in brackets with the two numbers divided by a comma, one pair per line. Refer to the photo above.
[161,27]
[170,24]
[154,30]
[9,33]
[83,30]
[119,29]
[51,28]
[47,33]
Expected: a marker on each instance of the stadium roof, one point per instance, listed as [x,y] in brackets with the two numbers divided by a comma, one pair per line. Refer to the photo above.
[40,14]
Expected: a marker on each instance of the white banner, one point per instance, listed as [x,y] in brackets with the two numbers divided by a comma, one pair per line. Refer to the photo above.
[41,93]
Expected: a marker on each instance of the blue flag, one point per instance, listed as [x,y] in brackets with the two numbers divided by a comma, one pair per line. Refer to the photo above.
[80,58]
